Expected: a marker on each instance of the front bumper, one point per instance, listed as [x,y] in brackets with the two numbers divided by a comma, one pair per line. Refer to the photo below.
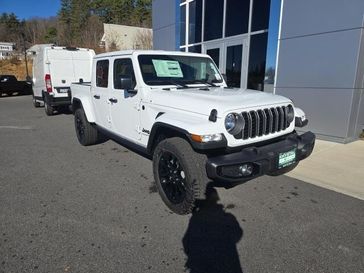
[264,159]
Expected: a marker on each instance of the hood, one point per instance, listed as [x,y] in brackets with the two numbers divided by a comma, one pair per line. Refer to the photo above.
[219,98]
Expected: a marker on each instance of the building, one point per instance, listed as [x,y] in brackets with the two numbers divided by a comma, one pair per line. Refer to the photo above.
[310,51]
[120,37]
[6,50]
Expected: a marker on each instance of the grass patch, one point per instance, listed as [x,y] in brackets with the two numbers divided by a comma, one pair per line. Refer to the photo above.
[16,67]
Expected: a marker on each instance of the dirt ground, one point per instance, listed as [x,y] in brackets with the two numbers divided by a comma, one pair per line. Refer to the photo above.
[15,67]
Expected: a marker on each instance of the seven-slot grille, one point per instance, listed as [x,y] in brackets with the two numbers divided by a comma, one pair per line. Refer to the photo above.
[264,121]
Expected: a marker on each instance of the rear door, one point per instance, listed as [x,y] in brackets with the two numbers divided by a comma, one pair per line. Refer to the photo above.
[60,63]
[100,92]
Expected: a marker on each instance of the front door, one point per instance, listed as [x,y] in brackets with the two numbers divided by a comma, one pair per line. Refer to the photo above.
[231,56]
[124,105]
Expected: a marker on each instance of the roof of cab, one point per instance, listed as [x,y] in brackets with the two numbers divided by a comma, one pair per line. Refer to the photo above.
[146,52]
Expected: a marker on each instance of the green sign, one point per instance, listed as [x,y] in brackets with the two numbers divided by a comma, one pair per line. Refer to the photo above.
[166,68]
[286,159]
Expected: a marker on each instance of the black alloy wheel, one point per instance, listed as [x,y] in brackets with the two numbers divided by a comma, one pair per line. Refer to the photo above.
[172,177]
[80,127]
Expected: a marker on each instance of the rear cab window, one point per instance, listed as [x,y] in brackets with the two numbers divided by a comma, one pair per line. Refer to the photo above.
[102,73]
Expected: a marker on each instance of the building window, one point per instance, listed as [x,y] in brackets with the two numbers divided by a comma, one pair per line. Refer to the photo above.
[237,17]
[257,60]
[195,49]
[183,25]
[260,18]
[195,21]
[270,70]
[215,55]
[204,25]
[214,14]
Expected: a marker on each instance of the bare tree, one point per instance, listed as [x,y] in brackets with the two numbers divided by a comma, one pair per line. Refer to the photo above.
[143,39]
[92,33]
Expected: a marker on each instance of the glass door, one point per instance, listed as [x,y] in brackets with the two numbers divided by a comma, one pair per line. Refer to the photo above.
[236,62]
[231,56]
[215,51]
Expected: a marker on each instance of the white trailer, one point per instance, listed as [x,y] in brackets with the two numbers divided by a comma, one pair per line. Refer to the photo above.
[54,69]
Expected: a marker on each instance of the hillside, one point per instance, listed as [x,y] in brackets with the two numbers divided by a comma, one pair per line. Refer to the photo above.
[15,67]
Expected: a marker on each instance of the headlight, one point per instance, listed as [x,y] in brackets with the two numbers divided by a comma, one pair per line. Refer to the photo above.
[290,114]
[234,123]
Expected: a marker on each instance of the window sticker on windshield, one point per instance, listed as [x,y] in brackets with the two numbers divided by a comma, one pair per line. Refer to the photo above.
[167,68]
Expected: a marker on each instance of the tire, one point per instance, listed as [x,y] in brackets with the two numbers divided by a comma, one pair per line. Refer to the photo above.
[180,174]
[86,134]
[49,110]
[36,104]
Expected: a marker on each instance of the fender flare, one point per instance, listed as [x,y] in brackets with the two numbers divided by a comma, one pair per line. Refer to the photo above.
[77,103]
[158,126]
[172,130]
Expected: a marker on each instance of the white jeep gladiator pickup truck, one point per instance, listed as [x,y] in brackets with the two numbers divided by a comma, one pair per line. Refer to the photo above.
[175,108]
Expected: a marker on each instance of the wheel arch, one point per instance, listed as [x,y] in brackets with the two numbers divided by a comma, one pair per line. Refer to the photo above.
[78,104]
[161,130]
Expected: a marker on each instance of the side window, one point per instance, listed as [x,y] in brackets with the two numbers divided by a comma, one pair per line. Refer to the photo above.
[102,73]
[123,68]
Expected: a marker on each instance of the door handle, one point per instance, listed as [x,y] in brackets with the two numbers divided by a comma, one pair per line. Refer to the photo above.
[113,100]
[97,97]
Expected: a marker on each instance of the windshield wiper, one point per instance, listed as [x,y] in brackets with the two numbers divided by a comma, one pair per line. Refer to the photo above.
[211,84]
[177,84]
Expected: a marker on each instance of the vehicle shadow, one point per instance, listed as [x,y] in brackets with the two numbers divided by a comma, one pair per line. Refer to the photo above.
[211,238]
[66,110]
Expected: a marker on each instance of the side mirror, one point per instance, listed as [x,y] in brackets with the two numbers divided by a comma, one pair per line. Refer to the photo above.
[126,83]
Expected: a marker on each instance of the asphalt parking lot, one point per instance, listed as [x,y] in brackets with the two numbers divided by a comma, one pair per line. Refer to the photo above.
[69,208]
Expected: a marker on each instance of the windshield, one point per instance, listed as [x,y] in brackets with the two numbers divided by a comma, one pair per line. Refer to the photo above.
[178,70]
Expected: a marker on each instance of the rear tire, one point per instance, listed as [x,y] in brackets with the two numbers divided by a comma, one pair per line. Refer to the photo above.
[36,104]
[86,133]
[49,110]
[180,174]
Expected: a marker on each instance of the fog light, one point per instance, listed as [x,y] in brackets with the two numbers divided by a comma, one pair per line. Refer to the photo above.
[246,169]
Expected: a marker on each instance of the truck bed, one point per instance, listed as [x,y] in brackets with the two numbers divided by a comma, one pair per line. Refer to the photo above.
[80,89]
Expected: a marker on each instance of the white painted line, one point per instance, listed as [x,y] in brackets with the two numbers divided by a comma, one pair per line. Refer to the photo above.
[16,127]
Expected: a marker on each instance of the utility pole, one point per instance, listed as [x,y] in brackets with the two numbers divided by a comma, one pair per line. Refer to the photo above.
[25,56]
